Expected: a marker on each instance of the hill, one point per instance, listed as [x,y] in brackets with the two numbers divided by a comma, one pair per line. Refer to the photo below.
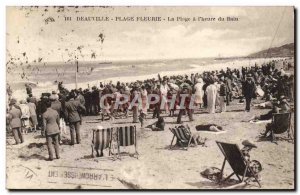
[286,50]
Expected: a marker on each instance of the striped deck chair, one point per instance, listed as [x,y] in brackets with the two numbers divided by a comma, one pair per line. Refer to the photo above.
[238,163]
[126,136]
[101,140]
[183,135]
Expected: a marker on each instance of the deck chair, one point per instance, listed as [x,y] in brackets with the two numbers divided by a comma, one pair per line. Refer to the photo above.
[237,162]
[101,140]
[183,135]
[281,123]
[126,136]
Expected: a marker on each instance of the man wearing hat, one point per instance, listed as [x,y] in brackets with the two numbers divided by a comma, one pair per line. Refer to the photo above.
[40,109]
[14,118]
[95,100]
[52,130]
[228,84]
[248,90]
[72,110]
[56,105]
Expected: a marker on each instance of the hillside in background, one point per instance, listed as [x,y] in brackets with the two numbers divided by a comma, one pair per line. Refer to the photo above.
[286,50]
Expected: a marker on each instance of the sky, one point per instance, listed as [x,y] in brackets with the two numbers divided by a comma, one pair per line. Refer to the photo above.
[257,28]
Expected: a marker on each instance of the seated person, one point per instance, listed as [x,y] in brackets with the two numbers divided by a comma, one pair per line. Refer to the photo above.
[196,139]
[284,107]
[267,116]
[159,125]
[209,127]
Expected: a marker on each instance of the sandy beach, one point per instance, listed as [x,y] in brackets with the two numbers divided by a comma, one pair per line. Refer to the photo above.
[191,56]
[158,167]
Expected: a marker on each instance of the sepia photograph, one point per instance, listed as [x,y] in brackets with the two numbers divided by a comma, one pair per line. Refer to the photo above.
[150,98]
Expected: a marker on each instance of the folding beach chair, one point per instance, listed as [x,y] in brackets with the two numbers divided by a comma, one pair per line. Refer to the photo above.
[183,136]
[238,163]
[101,140]
[126,136]
[281,123]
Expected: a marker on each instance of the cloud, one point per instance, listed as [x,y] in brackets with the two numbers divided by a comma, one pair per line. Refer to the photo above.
[147,40]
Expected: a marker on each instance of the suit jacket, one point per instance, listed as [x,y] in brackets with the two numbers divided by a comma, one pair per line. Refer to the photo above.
[15,117]
[56,105]
[81,99]
[51,121]
[248,88]
[228,85]
[72,109]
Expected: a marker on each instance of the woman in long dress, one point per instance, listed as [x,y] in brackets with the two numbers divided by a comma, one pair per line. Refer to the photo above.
[144,96]
[199,92]
[211,92]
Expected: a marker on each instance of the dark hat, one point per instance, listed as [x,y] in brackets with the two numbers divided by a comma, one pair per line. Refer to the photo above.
[53,92]
[249,144]
[13,101]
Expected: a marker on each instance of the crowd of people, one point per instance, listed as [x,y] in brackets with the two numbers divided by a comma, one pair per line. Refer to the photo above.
[210,90]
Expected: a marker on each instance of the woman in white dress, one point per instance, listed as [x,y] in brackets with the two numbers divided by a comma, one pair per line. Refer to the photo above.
[144,96]
[211,92]
[199,92]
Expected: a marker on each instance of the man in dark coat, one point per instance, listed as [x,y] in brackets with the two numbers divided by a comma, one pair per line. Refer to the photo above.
[248,90]
[95,100]
[72,110]
[88,102]
[51,128]
[228,84]
[14,118]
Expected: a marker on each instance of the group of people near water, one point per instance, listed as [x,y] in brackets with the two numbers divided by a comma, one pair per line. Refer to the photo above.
[209,91]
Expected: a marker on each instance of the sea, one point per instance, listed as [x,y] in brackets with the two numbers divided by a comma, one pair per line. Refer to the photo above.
[44,77]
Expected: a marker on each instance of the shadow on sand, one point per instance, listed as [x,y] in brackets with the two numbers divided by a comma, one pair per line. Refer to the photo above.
[33,156]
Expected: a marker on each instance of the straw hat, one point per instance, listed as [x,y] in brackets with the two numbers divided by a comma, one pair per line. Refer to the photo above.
[249,144]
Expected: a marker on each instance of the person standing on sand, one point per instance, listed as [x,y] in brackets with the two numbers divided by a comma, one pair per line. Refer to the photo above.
[135,108]
[32,110]
[14,118]
[51,128]
[211,92]
[72,110]
[248,91]
[164,88]
[228,84]
[199,92]
[185,97]
[25,116]
[56,105]
[144,96]
[156,111]
[222,95]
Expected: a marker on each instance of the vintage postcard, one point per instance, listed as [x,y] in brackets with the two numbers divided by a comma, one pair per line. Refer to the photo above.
[150,97]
